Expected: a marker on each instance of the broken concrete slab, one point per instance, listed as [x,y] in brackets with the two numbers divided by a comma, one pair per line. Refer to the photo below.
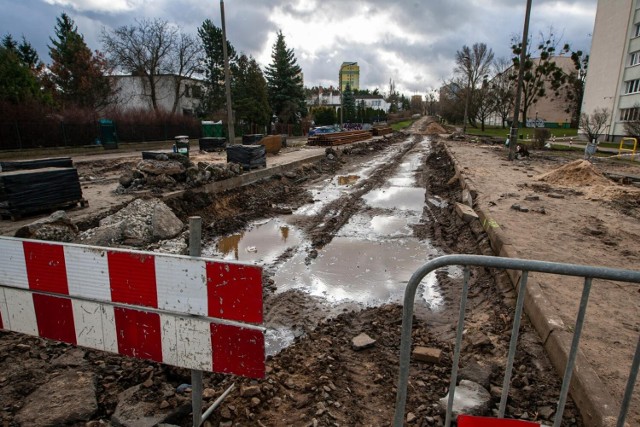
[66,399]
[465,212]
[362,341]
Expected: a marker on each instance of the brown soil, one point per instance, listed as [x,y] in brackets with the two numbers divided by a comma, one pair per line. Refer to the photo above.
[320,380]
[575,174]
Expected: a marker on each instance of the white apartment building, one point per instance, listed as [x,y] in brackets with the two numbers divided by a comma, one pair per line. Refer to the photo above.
[613,77]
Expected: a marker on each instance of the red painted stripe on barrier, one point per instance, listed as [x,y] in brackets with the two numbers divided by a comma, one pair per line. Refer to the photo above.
[234,292]
[1,324]
[138,334]
[46,270]
[133,278]
[238,351]
[55,318]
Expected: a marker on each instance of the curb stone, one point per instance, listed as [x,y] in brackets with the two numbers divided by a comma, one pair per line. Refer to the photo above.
[596,405]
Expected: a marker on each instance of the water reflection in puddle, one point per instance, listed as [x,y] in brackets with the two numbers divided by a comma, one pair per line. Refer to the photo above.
[403,198]
[354,270]
[263,242]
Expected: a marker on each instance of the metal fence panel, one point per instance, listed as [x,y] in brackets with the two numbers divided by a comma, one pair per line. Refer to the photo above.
[588,272]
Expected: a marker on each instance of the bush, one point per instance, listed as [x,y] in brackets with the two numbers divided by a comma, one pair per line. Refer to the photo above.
[540,137]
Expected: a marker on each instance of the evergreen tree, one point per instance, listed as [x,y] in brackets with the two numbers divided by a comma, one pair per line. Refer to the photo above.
[284,83]
[349,105]
[250,97]
[214,95]
[20,71]
[77,75]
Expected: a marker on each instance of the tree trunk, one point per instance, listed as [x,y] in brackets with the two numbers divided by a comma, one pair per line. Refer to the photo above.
[152,88]
[176,93]
[482,125]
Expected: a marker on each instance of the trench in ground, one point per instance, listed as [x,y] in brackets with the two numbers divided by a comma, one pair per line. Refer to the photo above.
[367,263]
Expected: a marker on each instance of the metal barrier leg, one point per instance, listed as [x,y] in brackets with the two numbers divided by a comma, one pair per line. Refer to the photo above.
[456,354]
[628,392]
[513,344]
[566,379]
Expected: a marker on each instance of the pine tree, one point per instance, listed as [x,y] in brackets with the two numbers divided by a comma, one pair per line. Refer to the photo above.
[250,97]
[77,75]
[20,72]
[349,105]
[284,83]
[214,96]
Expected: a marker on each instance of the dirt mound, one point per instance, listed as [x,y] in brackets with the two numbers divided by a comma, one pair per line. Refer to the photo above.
[613,193]
[434,129]
[578,173]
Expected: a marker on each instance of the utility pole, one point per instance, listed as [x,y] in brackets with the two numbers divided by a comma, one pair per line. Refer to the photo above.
[466,98]
[513,138]
[227,80]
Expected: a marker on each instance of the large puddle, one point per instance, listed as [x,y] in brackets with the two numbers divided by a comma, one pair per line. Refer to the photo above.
[369,261]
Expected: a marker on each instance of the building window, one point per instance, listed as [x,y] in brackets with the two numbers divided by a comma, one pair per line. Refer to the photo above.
[634,58]
[632,86]
[196,91]
[637,33]
[629,114]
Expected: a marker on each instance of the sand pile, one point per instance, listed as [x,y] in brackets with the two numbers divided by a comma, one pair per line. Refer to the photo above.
[578,173]
[434,129]
[613,193]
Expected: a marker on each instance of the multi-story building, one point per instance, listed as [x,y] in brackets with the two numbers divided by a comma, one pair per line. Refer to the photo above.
[349,75]
[133,92]
[613,79]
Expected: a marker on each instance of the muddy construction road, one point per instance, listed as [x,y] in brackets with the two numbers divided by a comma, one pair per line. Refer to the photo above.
[338,241]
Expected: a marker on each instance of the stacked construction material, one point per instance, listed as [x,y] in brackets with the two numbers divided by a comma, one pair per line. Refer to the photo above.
[249,156]
[44,188]
[339,138]
[212,143]
[60,162]
[250,139]
[380,131]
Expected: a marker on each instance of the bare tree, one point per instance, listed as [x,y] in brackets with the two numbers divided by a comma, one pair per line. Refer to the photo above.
[484,103]
[594,124]
[503,89]
[632,127]
[151,48]
[473,64]
[538,70]
[185,62]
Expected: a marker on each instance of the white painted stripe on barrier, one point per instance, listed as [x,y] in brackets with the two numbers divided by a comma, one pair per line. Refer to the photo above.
[95,326]
[13,268]
[87,273]
[181,285]
[186,342]
[21,314]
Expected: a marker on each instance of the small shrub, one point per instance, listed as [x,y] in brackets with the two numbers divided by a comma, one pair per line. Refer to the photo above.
[541,135]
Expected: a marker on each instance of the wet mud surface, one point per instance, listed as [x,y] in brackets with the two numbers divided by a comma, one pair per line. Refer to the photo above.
[338,240]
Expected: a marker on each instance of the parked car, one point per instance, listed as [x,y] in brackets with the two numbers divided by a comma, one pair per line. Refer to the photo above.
[323,129]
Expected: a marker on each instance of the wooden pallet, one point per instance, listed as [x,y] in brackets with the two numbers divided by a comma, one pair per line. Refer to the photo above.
[380,131]
[339,138]
[17,214]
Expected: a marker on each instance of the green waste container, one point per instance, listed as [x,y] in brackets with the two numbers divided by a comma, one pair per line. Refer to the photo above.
[212,129]
[182,145]
[108,136]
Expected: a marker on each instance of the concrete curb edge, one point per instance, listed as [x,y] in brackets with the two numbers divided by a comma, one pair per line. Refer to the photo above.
[596,405]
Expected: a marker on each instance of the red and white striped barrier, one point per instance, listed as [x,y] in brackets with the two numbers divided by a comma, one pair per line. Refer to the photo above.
[189,312]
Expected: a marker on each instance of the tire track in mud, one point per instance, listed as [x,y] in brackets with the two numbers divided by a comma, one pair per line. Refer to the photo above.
[323,226]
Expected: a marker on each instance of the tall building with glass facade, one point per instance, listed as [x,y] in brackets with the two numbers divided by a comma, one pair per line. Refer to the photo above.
[349,75]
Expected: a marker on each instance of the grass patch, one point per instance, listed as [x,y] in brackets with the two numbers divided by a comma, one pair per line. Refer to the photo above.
[401,125]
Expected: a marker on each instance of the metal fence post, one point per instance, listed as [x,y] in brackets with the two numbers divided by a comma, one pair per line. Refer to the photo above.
[195,249]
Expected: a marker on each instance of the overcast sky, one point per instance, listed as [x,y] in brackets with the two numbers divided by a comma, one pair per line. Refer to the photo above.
[410,41]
